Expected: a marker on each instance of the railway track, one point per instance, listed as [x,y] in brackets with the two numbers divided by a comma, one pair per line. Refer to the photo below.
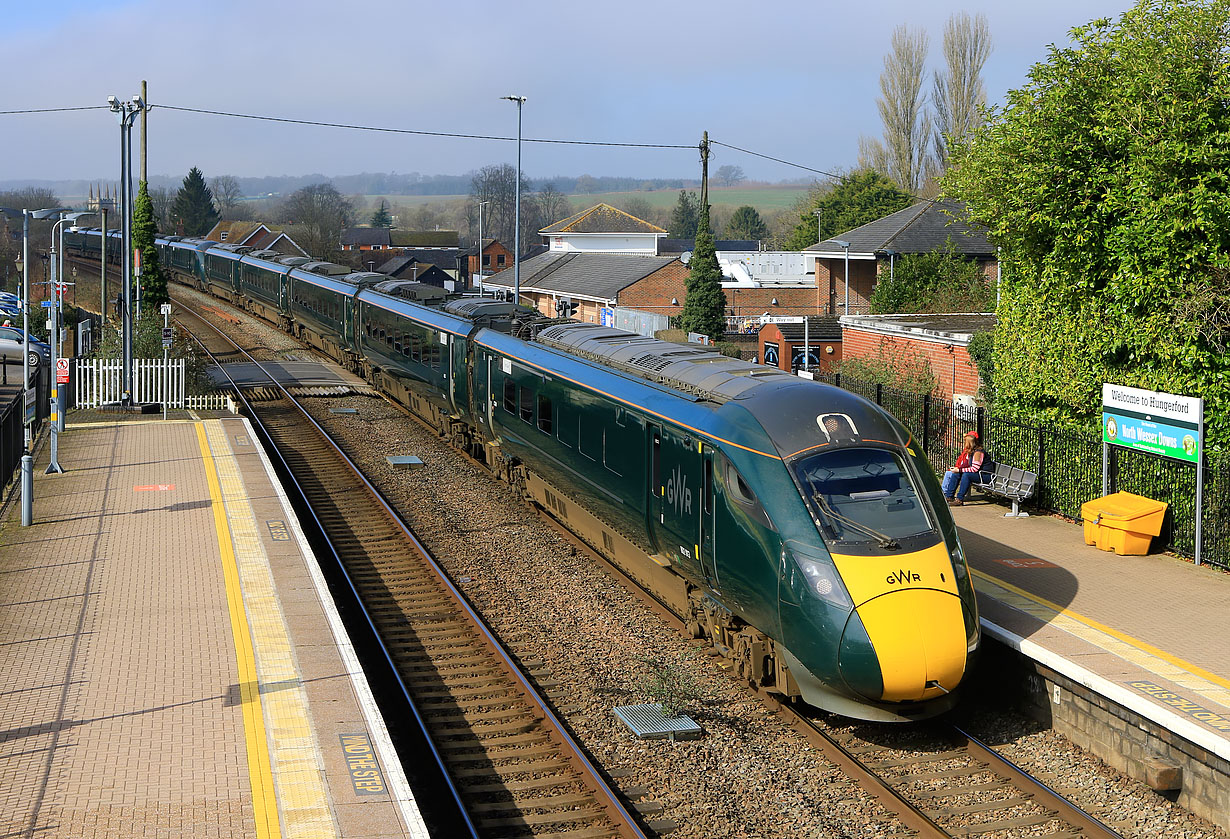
[513,766]
[939,783]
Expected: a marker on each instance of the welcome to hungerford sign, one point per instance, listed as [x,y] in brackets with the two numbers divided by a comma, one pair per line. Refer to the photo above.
[1149,421]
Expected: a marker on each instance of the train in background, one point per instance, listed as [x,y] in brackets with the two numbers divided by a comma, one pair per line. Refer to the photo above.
[793,524]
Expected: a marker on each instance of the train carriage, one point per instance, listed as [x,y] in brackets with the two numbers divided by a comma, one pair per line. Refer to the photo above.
[263,284]
[322,310]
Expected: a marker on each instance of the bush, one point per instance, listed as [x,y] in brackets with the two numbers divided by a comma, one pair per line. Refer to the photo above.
[942,280]
[892,369]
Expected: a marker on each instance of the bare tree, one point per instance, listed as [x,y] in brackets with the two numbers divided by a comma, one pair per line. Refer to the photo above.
[958,93]
[554,205]
[162,199]
[226,194]
[318,214]
[497,186]
[730,175]
[903,108]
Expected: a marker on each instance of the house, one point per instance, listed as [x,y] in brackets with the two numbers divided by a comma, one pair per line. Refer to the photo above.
[366,239]
[496,258]
[941,340]
[597,283]
[256,235]
[603,229]
[409,268]
[424,239]
[870,252]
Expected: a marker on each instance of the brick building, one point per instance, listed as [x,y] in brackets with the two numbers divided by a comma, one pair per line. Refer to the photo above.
[782,345]
[941,340]
[870,252]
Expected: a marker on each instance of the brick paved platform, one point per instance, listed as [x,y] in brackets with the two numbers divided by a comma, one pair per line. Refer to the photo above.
[168,663]
[1147,635]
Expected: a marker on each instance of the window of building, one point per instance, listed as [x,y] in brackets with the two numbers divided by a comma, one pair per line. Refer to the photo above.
[486,260]
[499,259]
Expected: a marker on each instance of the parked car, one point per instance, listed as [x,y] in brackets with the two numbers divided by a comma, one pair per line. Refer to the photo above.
[11,343]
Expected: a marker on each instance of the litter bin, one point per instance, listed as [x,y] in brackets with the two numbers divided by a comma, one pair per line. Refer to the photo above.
[1123,522]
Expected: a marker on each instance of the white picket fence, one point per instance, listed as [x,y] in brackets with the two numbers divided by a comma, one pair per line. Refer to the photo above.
[98,381]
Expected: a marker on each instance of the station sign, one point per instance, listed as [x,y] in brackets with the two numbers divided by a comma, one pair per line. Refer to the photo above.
[780,319]
[166,337]
[47,304]
[31,406]
[61,371]
[1150,421]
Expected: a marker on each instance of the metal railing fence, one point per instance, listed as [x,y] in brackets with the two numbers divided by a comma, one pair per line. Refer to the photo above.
[12,438]
[1068,464]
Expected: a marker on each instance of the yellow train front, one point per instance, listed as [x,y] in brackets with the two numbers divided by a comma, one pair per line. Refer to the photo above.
[877,613]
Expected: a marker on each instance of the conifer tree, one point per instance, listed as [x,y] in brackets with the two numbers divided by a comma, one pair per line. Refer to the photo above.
[193,210]
[382,218]
[144,229]
[704,306]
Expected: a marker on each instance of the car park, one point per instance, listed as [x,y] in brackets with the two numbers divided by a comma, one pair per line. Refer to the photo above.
[12,345]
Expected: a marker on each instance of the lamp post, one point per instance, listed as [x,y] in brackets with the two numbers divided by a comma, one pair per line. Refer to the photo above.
[57,285]
[479,260]
[891,257]
[127,113]
[27,459]
[520,100]
[846,246]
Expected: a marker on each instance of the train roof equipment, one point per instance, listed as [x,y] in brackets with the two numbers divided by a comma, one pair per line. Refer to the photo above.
[690,368]
[328,269]
[294,261]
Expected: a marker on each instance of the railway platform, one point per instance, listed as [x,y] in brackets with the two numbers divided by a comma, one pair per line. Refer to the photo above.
[171,663]
[1126,655]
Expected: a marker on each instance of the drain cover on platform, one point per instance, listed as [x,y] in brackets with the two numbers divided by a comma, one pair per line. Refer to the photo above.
[649,723]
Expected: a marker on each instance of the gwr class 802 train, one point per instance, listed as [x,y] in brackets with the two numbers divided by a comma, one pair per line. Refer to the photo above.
[794,524]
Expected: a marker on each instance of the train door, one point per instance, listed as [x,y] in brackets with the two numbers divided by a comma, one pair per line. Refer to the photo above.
[675,483]
[707,544]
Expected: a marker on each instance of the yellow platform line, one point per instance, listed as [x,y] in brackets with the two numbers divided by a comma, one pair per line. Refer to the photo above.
[260,774]
[303,799]
[1127,647]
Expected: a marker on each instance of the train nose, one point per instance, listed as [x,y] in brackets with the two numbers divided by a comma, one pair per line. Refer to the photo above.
[917,646]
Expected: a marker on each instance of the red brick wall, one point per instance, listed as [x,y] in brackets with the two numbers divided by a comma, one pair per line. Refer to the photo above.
[655,292]
[754,302]
[950,364]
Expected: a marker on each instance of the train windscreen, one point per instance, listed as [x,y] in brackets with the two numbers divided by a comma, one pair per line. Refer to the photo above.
[862,497]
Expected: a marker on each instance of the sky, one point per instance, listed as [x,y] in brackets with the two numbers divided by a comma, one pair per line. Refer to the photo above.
[791,80]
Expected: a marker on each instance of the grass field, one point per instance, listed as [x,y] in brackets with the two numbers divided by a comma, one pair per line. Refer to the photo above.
[766,199]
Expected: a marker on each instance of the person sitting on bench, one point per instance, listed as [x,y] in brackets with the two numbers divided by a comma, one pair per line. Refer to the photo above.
[958,478]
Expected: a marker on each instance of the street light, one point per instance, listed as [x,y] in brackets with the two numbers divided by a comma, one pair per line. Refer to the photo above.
[127,113]
[520,100]
[891,256]
[846,245]
[27,459]
[57,277]
[479,263]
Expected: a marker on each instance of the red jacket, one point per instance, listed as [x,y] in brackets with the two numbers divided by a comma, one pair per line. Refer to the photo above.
[971,461]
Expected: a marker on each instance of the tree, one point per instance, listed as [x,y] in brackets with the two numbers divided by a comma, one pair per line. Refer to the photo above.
[843,204]
[746,223]
[730,175]
[144,229]
[704,306]
[639,207]
[319,214]
[497,185]
[193,211]
[382,218]
[227,194]
[902,104]
[943,280]
[1104,183]
[685,216]
[958,94]
[553,204]
[162,201]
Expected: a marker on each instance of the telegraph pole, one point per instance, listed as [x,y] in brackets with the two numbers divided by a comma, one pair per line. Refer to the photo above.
[144,133]
[704,170]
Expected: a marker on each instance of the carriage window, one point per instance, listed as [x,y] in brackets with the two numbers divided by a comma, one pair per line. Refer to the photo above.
[510,396]
[544,413]
[736,488]
[527,404]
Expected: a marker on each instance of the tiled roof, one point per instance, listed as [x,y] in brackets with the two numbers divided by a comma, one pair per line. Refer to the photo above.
[237,232]
[818,329]
[602,218]
[920,228]
[958,326]
[356,236]
[597,275]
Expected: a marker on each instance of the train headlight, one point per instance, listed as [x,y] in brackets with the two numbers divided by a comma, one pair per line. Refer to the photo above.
[819,578]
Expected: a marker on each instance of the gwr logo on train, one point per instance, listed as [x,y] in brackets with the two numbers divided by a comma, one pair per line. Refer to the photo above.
[903,576]
[677,493]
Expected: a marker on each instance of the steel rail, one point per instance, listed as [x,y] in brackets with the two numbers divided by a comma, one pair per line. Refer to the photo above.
[624,821]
